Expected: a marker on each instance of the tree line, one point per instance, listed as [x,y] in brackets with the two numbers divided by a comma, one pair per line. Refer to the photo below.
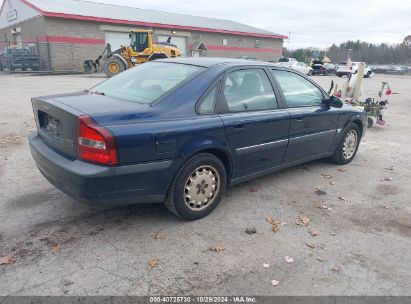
[358,51]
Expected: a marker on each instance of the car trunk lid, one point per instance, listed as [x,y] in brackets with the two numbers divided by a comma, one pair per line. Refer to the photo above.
[57,125]
[57,116]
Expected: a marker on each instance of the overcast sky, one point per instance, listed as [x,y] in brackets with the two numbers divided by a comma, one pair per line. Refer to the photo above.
[316,23]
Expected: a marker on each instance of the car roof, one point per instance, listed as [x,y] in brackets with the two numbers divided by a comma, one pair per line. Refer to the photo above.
[212,61]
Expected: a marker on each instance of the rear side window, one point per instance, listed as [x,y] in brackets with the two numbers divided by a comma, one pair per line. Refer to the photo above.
[207,105]
[297,90]
[248,90]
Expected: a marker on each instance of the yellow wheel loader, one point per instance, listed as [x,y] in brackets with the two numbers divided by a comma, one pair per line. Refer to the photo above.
[141,50]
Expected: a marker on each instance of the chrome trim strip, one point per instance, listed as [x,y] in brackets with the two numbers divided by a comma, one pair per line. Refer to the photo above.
[308,137]
[261,147]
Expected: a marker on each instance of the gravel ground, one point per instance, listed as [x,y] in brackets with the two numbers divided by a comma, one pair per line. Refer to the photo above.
[62,247]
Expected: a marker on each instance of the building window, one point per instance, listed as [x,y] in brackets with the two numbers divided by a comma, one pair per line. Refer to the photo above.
[225,42]
[257,43]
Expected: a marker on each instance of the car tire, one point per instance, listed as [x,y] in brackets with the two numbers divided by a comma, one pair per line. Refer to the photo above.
[325,73]
[368,75]
[310,72]
[202,177]
[339,75]
[346,149]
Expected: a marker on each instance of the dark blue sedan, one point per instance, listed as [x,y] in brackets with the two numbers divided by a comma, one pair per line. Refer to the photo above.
[182,131]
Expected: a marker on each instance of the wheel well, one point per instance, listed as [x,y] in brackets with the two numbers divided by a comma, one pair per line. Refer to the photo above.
[359,124]
[223,157]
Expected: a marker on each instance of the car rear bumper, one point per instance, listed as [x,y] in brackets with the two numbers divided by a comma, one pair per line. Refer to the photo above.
[140,183]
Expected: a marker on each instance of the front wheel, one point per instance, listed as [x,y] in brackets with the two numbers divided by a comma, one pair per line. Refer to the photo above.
[310,72]
[198,187]
[113,66]
[348,146]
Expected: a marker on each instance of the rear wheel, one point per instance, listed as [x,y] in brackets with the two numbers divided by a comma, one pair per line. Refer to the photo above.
[368,74]
[348,146]
[198,187]
[339,75]
[113,66]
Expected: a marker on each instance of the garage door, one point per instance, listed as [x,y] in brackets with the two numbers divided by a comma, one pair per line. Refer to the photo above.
[180,42]
[117,39]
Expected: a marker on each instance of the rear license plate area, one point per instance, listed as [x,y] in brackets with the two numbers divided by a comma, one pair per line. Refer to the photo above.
[50,124]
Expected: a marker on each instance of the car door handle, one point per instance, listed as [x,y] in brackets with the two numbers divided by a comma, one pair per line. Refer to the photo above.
[299,119]
[238,127]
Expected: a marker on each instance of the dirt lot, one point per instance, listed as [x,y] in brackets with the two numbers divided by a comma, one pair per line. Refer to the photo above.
[63,247]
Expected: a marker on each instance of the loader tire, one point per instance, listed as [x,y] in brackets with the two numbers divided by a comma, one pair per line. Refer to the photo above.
[113,66]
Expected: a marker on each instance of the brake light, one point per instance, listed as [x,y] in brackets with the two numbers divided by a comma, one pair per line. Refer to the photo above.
[95,144]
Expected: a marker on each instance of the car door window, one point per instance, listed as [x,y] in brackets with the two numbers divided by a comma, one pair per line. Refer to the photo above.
[298,91]
[248,90]
[207,104]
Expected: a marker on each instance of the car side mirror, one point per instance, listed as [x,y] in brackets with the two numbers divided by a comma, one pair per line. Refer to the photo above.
[335,102]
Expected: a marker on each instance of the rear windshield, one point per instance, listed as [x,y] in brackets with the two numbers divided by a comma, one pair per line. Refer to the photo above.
[146,82]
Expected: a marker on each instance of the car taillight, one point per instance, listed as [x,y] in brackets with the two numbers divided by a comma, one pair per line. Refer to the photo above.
[95,144]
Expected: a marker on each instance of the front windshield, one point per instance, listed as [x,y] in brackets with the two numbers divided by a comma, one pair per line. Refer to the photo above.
[147,82]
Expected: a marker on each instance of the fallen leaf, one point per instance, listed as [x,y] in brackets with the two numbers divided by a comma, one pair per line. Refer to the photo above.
[6,260]
[276,228]
[319,191]
[276,223]
[388,179]
[319,259]
[273,221]
[217,248]
[250,230]
[314,233]
[335,269]
[275,282]
[266,265]
[56,248]
[283,224]
[288,259]
[302,220]
[344,199]
[342,170]
[159,236]
[333,233]
[326,176]
[221,264]
[332,183]
[153,263]
[321,205]
[253,189]
[390,168]
[310,245]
